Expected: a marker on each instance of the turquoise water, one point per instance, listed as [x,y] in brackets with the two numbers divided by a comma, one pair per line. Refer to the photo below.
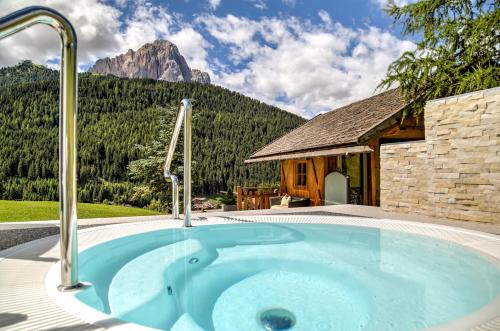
[329,277]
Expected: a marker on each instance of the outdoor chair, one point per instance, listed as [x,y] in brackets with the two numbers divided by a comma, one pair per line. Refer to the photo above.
[293,202]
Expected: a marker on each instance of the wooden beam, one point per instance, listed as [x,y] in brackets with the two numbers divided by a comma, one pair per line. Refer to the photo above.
[318,192]
[402,131]
[373,133]
[409,122]
[283,189]
[239,197]
[364,170]
[375,173]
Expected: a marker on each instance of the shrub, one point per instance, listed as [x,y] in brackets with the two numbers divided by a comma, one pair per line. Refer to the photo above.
[229,198]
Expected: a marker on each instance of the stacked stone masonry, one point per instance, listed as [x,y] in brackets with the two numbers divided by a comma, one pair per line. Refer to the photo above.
[455,172]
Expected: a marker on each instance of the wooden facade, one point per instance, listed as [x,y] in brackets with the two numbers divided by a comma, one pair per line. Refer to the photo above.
[345,143]
[367,168]
[316,170]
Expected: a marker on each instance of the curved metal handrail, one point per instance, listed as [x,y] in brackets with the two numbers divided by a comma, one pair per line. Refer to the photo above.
[10,25]
[185,115]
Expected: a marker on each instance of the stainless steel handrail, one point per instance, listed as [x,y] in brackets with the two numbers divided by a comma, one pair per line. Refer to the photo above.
[10,25]
[185,115]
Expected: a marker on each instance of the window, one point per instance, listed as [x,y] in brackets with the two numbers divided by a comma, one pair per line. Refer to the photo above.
[301,174]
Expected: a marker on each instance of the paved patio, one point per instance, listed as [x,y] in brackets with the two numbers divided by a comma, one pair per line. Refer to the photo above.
[23,269]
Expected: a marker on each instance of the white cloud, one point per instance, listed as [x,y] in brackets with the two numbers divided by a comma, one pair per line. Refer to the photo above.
[303,67]
[193,47]
[96,25]
[147,24]
[121,3]
[400,3]
[214,4]
[290,3]
[259,4]
[237,32]
[325,17]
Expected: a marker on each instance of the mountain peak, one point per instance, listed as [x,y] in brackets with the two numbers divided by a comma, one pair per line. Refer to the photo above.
[159,60]
[163,42]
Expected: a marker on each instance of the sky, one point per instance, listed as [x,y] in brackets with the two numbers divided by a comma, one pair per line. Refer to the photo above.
[303,56]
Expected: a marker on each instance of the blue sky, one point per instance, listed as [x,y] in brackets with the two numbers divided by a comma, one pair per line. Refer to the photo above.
[304,56]
[351,13]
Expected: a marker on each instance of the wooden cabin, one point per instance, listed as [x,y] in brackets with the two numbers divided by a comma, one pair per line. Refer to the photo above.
[335,157]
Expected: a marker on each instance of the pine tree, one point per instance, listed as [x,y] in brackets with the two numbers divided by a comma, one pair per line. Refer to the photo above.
[458,50]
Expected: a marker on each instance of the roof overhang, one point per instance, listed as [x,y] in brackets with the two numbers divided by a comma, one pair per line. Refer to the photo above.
[382,125]
[309,154]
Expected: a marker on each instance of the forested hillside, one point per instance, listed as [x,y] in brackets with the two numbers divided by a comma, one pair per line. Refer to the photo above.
[26,72]
[115,115]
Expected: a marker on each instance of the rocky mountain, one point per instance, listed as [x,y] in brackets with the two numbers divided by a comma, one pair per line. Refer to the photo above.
[200,76]
[159,60]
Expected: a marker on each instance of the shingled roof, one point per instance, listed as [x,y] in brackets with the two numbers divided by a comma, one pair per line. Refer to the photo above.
[344,126]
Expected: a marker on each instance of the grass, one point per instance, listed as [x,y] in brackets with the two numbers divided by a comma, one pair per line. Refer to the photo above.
[17,211]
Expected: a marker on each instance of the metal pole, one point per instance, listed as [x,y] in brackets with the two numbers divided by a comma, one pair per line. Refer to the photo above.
[12,24]
[175,197]
[185,115]
[188,114]
[168,162]
[173,143]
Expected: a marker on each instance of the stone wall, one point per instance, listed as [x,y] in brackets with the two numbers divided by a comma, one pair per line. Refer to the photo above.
[455,172]
[403,177]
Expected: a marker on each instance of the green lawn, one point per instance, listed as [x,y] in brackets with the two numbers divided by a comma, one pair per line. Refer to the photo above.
[15,211]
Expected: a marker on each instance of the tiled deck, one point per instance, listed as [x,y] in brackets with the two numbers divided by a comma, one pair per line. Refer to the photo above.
[25,304]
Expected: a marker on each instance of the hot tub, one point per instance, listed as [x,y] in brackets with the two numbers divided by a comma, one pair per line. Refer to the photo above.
[289,276]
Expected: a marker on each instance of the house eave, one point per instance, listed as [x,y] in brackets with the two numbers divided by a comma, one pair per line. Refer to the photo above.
[381,126]
[314,153]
